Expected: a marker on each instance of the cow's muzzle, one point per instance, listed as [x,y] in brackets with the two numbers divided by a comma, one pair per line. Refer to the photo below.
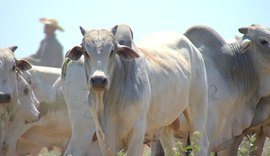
[4,98]
[99,83]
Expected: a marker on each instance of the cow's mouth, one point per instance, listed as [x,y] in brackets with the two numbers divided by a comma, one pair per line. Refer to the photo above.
[99,88]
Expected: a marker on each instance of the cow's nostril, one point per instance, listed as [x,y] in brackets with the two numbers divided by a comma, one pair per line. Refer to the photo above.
[8,97]
[92,80]
[104,81]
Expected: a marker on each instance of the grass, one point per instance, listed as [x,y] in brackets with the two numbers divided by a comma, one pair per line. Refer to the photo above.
[247,148]
[46,152]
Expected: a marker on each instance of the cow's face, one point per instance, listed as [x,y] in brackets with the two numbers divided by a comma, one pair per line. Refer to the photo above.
[257,39]
[7,76]
[101,51]
[27,110]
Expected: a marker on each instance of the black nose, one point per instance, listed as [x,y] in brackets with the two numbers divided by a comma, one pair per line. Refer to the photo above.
[99,82]
[4,98]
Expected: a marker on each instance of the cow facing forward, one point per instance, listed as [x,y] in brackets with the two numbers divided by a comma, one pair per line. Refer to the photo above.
[82,141]
[134,92]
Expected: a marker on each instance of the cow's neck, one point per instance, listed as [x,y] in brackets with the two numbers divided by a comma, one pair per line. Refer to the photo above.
[112,97]
[263,71]
[243,70]
[14,104]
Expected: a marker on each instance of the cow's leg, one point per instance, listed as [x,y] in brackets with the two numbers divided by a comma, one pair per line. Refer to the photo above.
[16,131]
[202,140]
[260,139]
[156,149]
[167,141]
[233,148]
[198,102]
[136,138]
[82,134]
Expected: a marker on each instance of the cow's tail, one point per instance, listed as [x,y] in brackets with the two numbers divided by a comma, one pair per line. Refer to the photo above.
[188,118]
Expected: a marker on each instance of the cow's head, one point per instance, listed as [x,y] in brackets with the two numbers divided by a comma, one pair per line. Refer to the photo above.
[257,39]
[101,51]
[10,82]
[8,75]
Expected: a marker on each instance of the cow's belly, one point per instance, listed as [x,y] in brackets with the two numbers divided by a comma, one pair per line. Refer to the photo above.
[169,99]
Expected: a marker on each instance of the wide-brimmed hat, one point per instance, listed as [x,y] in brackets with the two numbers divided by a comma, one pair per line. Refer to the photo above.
[51,22]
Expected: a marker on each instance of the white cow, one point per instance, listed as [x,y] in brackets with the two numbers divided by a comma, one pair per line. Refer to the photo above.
[18,103]
[135,92]
[53,128]
[238,76]
[8,87]
[26,113]
[83,127]
[75,91]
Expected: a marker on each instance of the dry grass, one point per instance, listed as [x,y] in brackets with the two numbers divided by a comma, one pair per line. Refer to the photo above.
[246,149]
[54,152]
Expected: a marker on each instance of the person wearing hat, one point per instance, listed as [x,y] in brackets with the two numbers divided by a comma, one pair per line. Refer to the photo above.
[50,52]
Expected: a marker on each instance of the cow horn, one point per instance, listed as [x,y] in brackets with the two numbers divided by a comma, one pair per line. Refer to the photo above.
[13,48]
[83,31]
[114,29]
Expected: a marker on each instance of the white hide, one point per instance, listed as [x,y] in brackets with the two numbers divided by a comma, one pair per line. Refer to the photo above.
[75,91]
[152,90]
[53,128]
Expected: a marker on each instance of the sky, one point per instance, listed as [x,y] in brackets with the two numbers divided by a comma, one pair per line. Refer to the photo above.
[19,19]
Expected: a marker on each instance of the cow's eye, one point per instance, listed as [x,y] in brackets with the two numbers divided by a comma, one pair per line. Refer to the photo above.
[13,68]
[112,52]
[264,42]
[86,54]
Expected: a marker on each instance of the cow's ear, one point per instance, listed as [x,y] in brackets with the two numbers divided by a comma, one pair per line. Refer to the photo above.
[246,43]
[23,65]
[126,53]
[243,30]
[75,53]
[13,48]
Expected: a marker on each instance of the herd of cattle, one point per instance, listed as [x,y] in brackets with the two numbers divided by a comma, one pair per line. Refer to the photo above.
[113,94]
